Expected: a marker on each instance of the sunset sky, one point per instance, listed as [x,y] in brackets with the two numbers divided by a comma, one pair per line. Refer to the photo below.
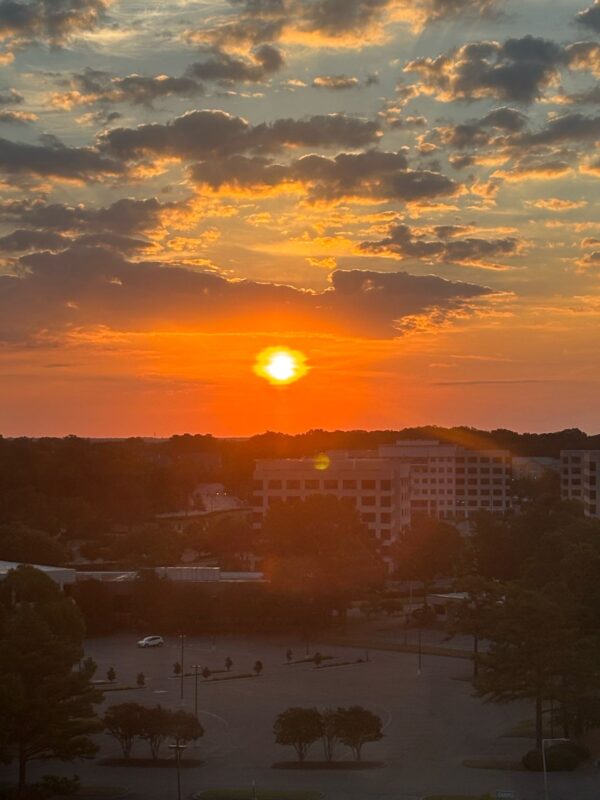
[404,191]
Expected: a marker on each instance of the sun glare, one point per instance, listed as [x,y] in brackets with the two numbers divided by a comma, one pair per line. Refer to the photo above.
[281,366]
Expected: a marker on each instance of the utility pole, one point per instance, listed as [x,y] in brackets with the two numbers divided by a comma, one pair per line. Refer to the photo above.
[182,640]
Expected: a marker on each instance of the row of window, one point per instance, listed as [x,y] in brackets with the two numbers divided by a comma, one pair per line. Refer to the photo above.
[327,483]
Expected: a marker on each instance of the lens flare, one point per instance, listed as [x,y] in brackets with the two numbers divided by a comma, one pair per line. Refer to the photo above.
[281,366]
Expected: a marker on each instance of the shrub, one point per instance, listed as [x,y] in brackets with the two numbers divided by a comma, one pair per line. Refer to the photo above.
[563,757]
[59,785]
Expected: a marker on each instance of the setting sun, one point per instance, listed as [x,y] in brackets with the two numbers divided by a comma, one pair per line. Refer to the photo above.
[281,366]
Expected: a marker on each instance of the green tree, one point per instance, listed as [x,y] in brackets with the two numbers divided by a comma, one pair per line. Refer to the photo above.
[330,731]
[474,614]
[319,549]
[531,644]
[184,727]
[298,727]
[46,704]
[357,726]
[124,722]
[429,549]
[155,727]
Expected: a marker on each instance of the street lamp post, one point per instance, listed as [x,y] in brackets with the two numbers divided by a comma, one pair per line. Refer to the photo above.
[196,668]
[178,748]
[544,743]
[420,651]
[182,640]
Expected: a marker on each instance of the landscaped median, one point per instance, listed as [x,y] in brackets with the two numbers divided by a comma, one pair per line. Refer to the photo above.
[256,794]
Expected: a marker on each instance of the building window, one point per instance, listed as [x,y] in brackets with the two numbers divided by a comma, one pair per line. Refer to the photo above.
[386,486]
[348,485]
[275,484]
[368,501]
[330,484]
[368,484]
[312,484]
[292,484]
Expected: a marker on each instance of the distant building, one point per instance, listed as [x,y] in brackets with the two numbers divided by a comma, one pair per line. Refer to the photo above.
[534,467]
[390,485]
[580,479]
[378,488]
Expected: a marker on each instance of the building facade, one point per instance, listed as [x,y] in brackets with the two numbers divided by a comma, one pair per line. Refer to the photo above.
[390,485]
[580,479]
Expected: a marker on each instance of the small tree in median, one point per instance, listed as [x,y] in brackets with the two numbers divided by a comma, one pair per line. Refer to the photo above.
[155,728]
[330,729]
[141,679]
[184,727]
[299,728]
[124,723]
[177,668]
[111,675]
[357,726]
[206,673]
[228,664]
[258,667]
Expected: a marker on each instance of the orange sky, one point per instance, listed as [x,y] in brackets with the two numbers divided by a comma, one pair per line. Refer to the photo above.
[407,193]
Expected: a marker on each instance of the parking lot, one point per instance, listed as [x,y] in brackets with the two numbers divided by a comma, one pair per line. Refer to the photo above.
[431,721]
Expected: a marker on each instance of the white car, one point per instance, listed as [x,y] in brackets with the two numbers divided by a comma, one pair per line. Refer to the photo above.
[151,641]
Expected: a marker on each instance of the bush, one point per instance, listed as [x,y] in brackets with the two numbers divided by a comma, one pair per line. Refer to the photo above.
[58,785]
[563,757]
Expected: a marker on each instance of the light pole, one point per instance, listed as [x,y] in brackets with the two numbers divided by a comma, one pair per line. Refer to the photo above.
[196,668]
[544,743]
[420,651]
[178,748]
[182,640]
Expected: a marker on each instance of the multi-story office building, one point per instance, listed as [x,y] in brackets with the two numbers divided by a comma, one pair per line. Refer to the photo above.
[580,479]
[451,482]
[378,488]
[388,486]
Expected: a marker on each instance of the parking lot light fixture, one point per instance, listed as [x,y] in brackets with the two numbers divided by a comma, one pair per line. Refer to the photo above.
[546,742]
[182,675]
[178,748]
[196,668]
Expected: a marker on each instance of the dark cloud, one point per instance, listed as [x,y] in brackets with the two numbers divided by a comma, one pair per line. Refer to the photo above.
[444,244]
[55,160]
[224,68]
[516,70]
[96,86]
[198,135]
[82,287]
[590,17]
[10,97]
[23,240]
[125,217]
[337,22]
[372,174]
[335,82]
[566,128]
[51,21]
